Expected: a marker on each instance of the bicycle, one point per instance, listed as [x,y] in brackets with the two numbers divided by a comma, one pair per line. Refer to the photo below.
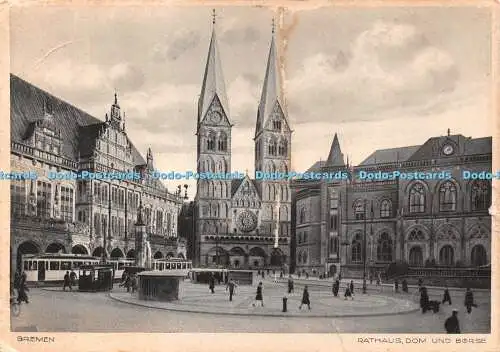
[15,307]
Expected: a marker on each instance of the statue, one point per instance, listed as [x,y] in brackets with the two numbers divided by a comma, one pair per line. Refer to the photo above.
[142,245]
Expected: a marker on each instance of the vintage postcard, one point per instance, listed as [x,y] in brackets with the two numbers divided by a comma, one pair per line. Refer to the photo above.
[323,174]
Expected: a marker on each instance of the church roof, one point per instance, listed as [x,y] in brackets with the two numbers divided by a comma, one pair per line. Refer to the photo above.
[465,146]
[235,184]
[271,89]
[78,128]
[213,81]
[391,155]
[335,157]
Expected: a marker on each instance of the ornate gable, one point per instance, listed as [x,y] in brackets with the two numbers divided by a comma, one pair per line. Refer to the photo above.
[247,192]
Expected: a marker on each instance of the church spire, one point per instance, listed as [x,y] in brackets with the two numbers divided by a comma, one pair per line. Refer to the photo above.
[271,90]
[335,158]
[213,80]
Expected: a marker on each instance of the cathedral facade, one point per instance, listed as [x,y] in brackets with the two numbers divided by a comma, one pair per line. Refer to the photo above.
[242,222]
[439,220]
[86,215]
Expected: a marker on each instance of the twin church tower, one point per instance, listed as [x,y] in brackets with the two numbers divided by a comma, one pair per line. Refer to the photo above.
[242,223]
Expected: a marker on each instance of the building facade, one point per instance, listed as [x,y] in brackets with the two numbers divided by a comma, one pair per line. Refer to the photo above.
[441,220]
[53,214]
[242,222]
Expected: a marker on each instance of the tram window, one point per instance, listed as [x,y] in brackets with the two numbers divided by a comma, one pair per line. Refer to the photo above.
[25,265]
[65,265]
[178,265]
[167,266]
[121,266]
[162,266]
[183,265]
[34,267]
[54,265]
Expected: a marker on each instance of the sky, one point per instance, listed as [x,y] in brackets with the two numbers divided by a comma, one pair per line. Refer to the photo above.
[378,77]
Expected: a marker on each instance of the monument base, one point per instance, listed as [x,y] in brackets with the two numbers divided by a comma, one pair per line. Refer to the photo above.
[163,286]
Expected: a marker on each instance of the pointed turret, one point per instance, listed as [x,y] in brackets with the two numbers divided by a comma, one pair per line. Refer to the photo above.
[271,90]
[213,80]
[335,158]
[149,158]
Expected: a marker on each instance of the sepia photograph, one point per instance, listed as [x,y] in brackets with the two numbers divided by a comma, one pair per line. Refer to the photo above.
[251,169]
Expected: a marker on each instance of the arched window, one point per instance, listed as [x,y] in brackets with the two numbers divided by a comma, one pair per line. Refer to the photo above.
[304,257]
[356,249]
[282,147]
[446,255]
[211,141]
[359,210]
[272,147]
[447,197]
[302,217]
[277,125]
[222,142]
[478,256]
[416,257]
[384,248]
[480,195]
[417,198]
[416,235]
[385,208]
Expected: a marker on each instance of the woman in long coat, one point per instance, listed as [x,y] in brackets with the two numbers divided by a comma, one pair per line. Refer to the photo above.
[348,292]
[258,296]
[469,300]
[305,298]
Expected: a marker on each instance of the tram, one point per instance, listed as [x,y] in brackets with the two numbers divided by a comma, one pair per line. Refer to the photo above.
[53,266]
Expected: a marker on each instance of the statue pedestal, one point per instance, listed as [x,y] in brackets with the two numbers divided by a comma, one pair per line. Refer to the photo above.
[163,286]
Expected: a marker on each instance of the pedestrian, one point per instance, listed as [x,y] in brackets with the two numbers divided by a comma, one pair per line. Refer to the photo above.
[336,287]
[305,298]
[17,279]
[258,272]
[307,275]
[348,292]
[133,283]
[371,278]
[262,274]
[231,286]
[405,285]
[258,296]
[379,279]
[281,274]
[446,295]
[396,285]
[290,284]
[298,274]
[21,291]
[340,277]
[351,287]
[72,278]
[451,324]
[67,282]
[211,284]
[469,300]
[424,299]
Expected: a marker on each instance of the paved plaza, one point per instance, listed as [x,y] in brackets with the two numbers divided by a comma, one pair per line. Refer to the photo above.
[383,311]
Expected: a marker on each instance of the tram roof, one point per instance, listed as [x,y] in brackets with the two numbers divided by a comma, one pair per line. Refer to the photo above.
[59,256]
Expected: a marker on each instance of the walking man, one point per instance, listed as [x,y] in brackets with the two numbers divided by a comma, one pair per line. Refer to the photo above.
[290,284]
[21,291]
[336,287]
[446,296]
[451,324]
[211,284]
[305,298]
[258,296]
[67,281]
[469,300]
[231,285]
[405,286]
[351,287]
[348,292]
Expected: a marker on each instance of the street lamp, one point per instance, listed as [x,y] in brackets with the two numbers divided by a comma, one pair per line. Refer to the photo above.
[364,248]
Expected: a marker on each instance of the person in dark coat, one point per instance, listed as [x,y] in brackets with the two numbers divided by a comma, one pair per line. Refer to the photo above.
[404,284]
[446,295]
[211,284]
[451,324]
[396,285]
[133,282]
[290,284]
[72,278]
[21,291]
[231,285]
[469,300]
[335,288]
[67,282]
[305,298]
[351,287]
[258,296]
[348,292]
[17,279]
[424,299]
[262,273]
